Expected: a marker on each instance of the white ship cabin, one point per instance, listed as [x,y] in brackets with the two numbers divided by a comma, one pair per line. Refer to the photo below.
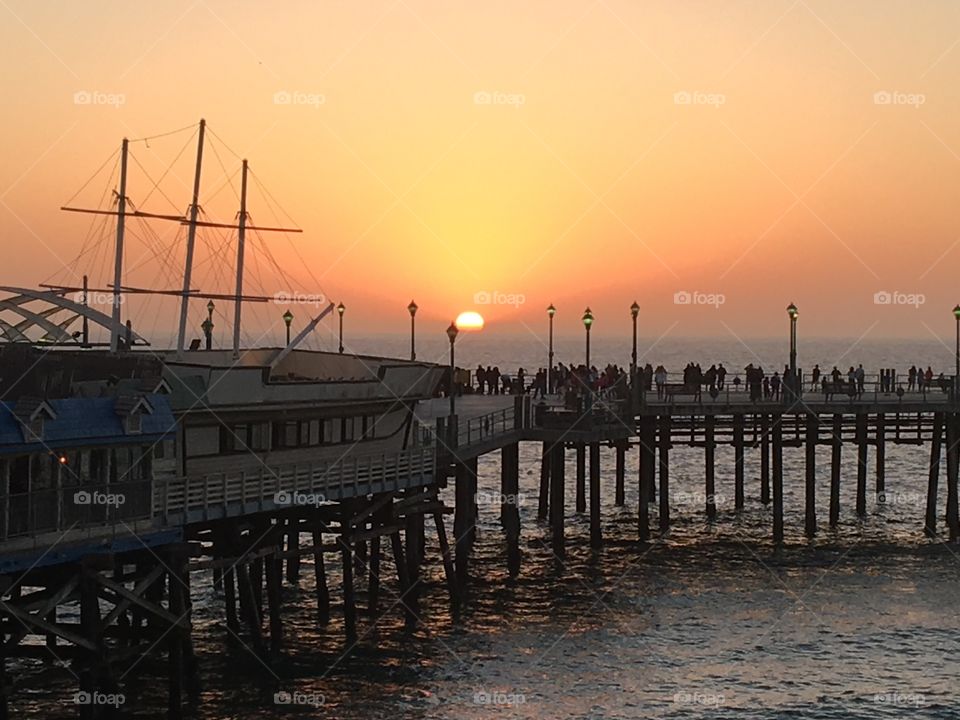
[271,408]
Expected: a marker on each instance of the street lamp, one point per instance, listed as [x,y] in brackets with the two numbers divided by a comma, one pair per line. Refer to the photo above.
[340,309]
[551,311]
[412,309]
[452,334]
[287,319]
[956,379]
[793,312]
[587,322]
[207,325]
[634,312]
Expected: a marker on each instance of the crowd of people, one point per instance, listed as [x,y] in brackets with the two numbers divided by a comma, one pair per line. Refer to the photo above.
[760,385]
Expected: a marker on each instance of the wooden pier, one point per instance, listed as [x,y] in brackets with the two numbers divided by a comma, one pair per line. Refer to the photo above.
[130,575]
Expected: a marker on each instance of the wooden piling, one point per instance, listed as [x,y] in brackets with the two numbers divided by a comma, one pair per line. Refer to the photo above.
[861,438]
[810,497]
[448,566]
[248,608]
[557,482]
[413,535]
[664,446]
[953,467]
[175,665]
[581,478]
[346,556]
[274,575]
[738,425]
[543,506]
[836,448]
[881,456]
[643,471]
[461,523]
[373,576]
[293,548]
[777,439]
[930,521]
[621,472]
[596,535]
[765,458]
[320,577]
[509,504]
[90,630]
[709,444]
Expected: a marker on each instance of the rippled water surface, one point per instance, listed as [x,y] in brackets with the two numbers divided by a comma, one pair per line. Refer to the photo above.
[707,622]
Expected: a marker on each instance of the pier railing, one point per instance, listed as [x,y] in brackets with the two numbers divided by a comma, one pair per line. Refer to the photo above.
[277,487]
[480,428]
[875,388]
[74,506]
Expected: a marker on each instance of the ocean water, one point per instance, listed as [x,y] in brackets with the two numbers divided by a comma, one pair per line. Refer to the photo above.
[708,621]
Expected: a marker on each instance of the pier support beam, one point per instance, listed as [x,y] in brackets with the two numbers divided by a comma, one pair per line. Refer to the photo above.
[765,459]
[621,472]
[953,468]
[413,533]
[596,537]
[581,478]
[543,506]
[810,497]
[777,439]
[646,471]
[836,448]
[509,503]
[665,433]
[557,489]
[463,519]
[320,577]
[274,575]
[738,460]
[881,457]
[449,570]
[346,555]
[930,523]
[293,548]
[861,425]
[709,447]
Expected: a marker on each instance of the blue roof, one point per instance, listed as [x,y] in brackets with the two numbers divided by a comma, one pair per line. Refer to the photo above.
[86,421]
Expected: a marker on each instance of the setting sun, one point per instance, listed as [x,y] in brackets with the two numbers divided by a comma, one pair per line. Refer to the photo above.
[469,320]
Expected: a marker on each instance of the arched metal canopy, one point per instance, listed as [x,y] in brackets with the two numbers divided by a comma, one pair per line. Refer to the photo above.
[49,303]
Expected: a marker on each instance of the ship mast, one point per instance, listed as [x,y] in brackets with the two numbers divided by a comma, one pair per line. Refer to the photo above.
[241,236]
[118,257]
[191,240]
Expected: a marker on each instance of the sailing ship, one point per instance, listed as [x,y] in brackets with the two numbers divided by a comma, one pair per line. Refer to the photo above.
[274,415]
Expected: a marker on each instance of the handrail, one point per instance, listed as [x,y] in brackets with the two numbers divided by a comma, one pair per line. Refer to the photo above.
[291,484]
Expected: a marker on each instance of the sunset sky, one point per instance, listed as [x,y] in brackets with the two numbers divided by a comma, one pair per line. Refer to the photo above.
[748,154]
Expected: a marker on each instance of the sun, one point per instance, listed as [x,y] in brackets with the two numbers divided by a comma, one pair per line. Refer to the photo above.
[469,320]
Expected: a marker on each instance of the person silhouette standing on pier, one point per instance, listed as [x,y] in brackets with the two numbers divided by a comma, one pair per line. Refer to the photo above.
[775,385]
[721,376]
[660,377]
[815,377]
[860,376]
[911,378]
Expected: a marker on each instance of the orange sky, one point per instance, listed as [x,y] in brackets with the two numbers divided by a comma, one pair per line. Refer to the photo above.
[534,153]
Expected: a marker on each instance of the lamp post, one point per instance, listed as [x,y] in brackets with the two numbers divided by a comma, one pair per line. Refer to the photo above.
[587,322]
[340,310]
[956,378]
[287,319]
[208,325]
[551,311]
[452,335]
[634,312]
[793,312]
[412,309]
